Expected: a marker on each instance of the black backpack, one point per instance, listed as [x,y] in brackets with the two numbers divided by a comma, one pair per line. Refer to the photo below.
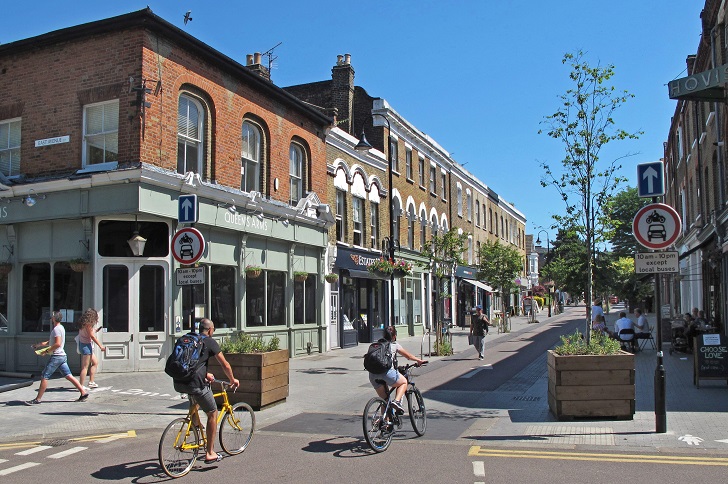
[185,358]
[378,358]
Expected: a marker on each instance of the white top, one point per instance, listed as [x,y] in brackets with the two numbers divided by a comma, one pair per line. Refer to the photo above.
[596,310]
[642,324]
[624,323]
[394,347]
[58,330]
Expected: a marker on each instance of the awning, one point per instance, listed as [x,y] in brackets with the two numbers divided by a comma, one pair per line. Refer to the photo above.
[479,284]
[366,275]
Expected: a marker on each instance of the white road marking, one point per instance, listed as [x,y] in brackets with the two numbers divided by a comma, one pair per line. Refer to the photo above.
[33,450]
[3,460]
[65,453]
[475,371]
[17,468]
[724,441]
[479,468]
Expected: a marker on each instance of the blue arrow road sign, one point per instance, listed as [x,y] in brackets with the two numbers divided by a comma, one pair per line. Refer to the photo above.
[651,179]
[187,209]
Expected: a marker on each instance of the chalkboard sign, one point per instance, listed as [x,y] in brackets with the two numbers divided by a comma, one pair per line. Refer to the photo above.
[710,358]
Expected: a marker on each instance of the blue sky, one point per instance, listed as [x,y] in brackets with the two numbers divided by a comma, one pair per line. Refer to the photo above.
[477,76]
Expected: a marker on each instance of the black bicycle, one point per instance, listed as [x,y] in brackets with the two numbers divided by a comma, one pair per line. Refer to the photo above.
[380,420]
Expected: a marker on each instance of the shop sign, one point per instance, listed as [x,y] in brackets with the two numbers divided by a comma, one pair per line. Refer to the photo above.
[706,85]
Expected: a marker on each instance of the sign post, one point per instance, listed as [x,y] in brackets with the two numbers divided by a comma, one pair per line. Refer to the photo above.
[656,226]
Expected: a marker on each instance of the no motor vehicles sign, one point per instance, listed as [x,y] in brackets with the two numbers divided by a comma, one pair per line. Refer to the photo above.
[656,226]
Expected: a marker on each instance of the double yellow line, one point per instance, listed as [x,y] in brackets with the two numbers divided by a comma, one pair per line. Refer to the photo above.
[478,451]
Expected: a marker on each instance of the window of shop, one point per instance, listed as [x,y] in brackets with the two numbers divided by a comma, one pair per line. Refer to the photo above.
[270,286]
[374,224]
[101,133]
[251,157]
[340,215]
[40,281]
[357,211]
[10,147]
[113,236]
[304,301]
[393,154]
[190,135]
[223,295]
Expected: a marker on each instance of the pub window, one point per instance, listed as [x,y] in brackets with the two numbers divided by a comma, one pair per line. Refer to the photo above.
[340,215]
[304,301]
[40,281]
[265,305]
[113,236]
[223,295]
[101,133]
[190,135]
[408,162]
[250,158]
[422,172]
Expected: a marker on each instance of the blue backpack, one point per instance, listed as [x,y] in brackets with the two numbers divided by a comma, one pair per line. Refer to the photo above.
[185,358]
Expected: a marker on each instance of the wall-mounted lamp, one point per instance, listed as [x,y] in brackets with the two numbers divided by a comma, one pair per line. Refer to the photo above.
[31,199]
[137,242]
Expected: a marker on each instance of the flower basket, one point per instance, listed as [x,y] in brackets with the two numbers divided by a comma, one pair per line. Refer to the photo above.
[300,276]
[78,265]
[331,278]
[5,268]
[252,272]
[382,267]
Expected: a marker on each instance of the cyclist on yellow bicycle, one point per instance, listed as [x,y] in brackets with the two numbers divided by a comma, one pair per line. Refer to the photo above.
[199,390]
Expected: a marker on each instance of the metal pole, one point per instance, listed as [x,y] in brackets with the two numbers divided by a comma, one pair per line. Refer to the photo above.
[391,221]
[660,412]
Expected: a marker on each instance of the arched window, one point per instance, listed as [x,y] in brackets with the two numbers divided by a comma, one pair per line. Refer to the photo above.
[296,157]
[250,157]
[490,219]
[190,135]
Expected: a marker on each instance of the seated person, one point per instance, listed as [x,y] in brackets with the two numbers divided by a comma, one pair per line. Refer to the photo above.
[624,323]
[599,324]
[641,327]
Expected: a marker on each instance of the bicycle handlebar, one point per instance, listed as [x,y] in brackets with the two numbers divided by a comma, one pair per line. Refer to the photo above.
[224,383]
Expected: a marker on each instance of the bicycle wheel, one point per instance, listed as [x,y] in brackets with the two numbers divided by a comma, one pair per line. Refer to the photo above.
[375,432]
[236,428]
[178,447]
[417,412]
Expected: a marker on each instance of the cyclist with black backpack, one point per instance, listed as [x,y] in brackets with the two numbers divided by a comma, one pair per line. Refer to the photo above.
[391,376]
[198,386]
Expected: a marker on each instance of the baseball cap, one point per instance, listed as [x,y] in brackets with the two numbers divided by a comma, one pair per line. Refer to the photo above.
[478,307]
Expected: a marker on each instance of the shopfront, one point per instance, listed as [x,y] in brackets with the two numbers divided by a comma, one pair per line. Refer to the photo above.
[471,293]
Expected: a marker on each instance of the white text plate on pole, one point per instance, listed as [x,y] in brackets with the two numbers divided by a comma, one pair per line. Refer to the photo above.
[651,179]
[189,276]
[187,209]
[656,262]
[656,226]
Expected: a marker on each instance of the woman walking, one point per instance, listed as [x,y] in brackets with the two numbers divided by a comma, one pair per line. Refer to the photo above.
[86,338]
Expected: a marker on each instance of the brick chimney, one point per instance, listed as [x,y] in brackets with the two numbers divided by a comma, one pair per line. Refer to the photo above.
[253,63]
[342,91]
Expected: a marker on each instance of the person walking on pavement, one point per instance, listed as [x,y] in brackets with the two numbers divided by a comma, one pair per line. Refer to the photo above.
[86,338]
[478,329]
[58,361]
[199,390]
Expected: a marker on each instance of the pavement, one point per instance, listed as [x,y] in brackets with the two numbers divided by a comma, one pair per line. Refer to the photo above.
[328,391]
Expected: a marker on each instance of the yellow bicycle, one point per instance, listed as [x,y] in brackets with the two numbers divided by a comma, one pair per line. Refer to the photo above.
[182,440]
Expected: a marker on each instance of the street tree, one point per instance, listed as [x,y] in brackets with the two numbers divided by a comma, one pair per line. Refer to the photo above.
[584,124]
[499,266]
[568,262]
[621,209]
[443,253]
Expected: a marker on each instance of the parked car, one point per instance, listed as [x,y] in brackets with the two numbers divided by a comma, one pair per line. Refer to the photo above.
[613,299]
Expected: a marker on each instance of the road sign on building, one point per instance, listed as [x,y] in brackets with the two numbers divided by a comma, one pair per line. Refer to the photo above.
[187,209]
[188,245]
[656,226]
[651,179]
[189,276]
[656,262]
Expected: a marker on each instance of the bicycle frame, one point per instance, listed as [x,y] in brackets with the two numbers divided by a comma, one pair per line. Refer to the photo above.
[193,414]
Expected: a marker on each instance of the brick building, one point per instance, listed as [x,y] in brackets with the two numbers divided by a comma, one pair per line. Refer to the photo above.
[695,174]
[104,127]
[430,193]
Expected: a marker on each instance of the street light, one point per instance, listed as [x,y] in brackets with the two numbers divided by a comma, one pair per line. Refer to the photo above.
[548,252]
[364,146]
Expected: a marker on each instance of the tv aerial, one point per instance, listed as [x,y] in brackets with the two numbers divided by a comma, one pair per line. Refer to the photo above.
[271,57]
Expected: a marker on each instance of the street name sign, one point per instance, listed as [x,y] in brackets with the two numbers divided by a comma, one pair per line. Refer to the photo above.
[187,246]
[187,209]
[651,179]
[656,262]
[656,226]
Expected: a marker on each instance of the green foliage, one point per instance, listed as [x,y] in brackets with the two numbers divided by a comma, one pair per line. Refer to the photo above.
[444,348]
[598,344]
[499,265]
[445,252]
[539,300]
[245,343]
[620,210]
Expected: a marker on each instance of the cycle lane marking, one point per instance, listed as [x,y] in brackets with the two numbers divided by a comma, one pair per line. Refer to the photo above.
[95,438]
[33,450]
[66,453]
[478,451]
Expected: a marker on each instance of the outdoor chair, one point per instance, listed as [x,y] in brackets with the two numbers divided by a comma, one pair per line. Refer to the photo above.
[624,341]
[643,340]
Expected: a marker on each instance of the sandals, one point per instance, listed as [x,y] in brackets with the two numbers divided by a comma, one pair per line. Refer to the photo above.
[212,461]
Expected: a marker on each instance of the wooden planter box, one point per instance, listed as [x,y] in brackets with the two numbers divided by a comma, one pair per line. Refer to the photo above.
[591,385]
[263,377]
